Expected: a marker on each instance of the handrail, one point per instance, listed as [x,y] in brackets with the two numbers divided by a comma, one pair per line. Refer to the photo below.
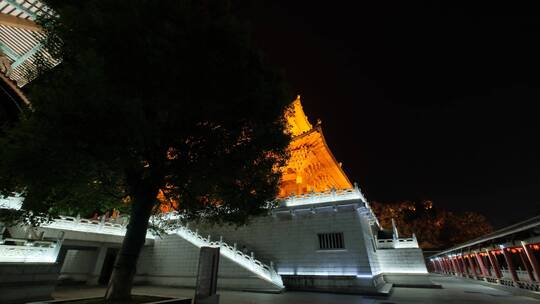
[30,251]
[90,225]
[266,272]
[324,196]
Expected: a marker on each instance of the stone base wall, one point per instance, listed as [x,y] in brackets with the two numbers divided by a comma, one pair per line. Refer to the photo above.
[401,260]
[340,284]
[25,282]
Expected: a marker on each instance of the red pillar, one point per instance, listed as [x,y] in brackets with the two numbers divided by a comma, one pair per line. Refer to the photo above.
[441,262]
[458,267]
[473,267]
[481,264]
[525,263]
[463,266]
[493,260]
[511,268]
[448,266]
[458,264]
[439,266]
[485,259]
[454,266]
[532,260]
[477,269]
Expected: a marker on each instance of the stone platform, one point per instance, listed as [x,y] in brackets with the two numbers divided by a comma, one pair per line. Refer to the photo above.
[453,291]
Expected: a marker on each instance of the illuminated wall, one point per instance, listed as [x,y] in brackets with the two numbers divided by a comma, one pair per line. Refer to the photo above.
[312,166]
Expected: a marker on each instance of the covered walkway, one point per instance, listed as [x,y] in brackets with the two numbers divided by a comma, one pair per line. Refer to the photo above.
[508,256]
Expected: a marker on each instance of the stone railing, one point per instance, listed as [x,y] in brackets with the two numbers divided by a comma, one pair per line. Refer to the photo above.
[406,242]
[101,226]
[397,243]
[267,272]
[324,197]
[11,202]
[14,250]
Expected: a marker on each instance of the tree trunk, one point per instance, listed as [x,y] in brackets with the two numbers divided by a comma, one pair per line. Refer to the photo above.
[124,271]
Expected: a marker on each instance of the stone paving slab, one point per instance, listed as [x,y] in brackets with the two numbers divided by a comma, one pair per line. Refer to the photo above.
[453,291]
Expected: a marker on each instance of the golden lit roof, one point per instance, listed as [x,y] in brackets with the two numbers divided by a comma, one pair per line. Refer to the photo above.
[297,119]
[312,166]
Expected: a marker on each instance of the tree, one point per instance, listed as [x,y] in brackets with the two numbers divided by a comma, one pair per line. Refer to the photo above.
[434,227]
[150,97]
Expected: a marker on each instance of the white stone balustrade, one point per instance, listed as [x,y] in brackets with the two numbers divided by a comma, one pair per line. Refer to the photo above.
[89,225]
[266,272]
[324,197]
[29,251]
[11,202]
[397,243]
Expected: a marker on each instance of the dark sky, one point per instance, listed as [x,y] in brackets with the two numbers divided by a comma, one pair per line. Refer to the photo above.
[419,100]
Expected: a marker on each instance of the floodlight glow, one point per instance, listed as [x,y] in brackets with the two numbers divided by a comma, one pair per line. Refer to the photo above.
[323,272]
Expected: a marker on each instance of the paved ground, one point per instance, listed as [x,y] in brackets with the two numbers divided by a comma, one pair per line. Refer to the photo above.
[454,291]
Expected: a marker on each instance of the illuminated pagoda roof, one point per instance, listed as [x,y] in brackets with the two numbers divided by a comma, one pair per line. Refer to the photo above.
[312,166]
[20,38]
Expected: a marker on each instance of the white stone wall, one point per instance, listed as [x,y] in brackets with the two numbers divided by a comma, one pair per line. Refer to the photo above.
[78,265]
[25,282]
[291,242]
[173,261]
[370,245]
[402,260]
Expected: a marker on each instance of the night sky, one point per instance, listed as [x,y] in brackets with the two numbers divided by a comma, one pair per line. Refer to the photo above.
[419,100]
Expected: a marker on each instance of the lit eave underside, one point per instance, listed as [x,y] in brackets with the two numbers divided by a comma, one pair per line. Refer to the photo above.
[20,36]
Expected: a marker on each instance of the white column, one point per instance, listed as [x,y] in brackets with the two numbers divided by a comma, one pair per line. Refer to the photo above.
[94,274]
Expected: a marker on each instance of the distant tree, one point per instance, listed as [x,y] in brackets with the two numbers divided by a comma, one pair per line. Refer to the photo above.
[151,97]
[434,227]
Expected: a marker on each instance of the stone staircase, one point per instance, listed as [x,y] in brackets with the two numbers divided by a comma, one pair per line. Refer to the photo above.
[247,262]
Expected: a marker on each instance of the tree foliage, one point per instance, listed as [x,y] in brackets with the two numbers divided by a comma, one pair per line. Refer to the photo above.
[150,96]
[434,227]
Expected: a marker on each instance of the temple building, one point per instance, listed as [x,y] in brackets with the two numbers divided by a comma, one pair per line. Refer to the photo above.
[322,236]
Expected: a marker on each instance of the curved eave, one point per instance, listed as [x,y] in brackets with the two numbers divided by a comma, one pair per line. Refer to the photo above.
[336,163]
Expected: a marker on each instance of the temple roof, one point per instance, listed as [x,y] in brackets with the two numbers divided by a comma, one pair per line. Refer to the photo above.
[20,38]
[297,119]
[312,166]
